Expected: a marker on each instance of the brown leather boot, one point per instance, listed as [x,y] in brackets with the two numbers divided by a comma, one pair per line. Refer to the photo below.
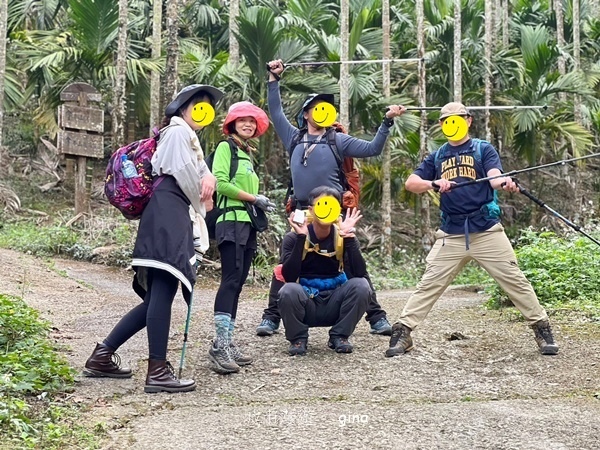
[104,362]
[400,342]
[544,337]
[161,378]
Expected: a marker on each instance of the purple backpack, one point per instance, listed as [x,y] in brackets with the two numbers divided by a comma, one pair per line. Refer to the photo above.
[131,195]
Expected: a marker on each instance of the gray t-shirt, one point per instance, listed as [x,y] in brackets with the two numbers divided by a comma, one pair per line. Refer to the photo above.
[319,167]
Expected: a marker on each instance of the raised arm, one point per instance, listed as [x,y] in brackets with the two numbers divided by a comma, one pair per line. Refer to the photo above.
[285,130]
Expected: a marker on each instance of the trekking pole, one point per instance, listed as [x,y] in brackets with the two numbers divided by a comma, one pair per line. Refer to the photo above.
[528,169]
[540,203]
[473,108]
[362,61]
[185,333]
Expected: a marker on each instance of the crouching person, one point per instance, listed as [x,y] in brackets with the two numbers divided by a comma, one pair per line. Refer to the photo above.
[324,274]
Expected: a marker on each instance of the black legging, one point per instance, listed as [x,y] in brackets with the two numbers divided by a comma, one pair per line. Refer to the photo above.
[232,277]
[154,313]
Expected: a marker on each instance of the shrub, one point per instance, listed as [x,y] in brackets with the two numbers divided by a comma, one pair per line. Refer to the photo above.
[33,377]
[563,271]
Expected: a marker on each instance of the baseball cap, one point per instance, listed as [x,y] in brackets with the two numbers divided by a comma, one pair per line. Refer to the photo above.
[453,109]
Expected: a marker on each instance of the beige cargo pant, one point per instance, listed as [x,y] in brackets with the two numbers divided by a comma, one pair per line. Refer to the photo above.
[492,250]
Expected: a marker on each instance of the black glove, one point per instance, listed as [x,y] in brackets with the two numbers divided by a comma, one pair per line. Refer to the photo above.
[262,202]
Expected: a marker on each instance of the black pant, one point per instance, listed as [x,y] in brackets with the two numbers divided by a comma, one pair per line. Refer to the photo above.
[154,313]
[233,277]
[374,310]
[341,309]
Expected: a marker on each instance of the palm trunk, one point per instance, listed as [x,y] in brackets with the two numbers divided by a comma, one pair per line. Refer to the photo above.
[3,39]
[344,68]
[577,56]
[576,184]
[119,106]
[172,26]
[234,46]
[426,231]
[489,31]
[386,163]
[155,105]
[562,69]
[457,52]
[505,35]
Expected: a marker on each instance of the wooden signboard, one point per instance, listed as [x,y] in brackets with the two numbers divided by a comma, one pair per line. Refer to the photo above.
[80,135]
[81,144]
[75,117]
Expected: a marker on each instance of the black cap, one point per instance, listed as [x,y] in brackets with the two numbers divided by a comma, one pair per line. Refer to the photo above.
[311,98]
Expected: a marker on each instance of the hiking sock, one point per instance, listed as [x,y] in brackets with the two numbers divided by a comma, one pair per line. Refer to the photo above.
[222,325]
[231,327]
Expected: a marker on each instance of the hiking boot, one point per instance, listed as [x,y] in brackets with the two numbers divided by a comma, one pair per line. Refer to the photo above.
[544,338]
[237,356]
[161,378]
[400,342]
[104,362]
[381,327]
[340,344]
[222,358]
[298,347]
[267,328]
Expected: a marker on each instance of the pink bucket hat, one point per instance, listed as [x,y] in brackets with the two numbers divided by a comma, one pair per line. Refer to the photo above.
[247,109]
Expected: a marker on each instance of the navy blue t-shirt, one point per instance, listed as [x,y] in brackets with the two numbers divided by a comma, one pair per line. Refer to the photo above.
[459,163]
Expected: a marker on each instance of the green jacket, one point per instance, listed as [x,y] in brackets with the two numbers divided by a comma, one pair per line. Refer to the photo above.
[245,179]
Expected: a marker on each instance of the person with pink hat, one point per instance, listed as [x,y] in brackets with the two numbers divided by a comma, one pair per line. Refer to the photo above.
[234,233]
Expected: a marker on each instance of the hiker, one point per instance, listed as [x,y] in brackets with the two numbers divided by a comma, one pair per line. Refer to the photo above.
[319,288]
[313,163]
[163,255]
[470,229]
[235,235]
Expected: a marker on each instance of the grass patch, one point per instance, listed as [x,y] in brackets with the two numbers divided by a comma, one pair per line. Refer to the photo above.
[563,271]
[34,380]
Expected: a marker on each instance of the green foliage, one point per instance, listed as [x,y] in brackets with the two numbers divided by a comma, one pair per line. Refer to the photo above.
[563,271]
[36,240]
[33,379]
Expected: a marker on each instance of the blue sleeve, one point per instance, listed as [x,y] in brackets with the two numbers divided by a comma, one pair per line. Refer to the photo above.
[426,169]
[285,130]
[359,148]
[490,158]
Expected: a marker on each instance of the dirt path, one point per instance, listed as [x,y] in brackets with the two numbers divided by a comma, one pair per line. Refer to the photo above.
[492,390]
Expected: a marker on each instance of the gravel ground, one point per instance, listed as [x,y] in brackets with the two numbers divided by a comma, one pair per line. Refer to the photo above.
[489,390]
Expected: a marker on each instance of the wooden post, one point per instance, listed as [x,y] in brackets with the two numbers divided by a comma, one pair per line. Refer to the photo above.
[80,134]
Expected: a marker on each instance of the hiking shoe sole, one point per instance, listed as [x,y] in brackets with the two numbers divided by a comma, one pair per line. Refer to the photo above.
[549,350]
[220,369]
[264,332]
[397,351]
[173,390]
[91,373]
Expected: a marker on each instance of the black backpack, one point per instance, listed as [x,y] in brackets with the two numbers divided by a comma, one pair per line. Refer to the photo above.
[218,210]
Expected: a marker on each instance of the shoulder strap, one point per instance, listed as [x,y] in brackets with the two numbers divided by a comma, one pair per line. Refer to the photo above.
[338,241]
[339,246]
[235,160]
[478,155]
[297,139]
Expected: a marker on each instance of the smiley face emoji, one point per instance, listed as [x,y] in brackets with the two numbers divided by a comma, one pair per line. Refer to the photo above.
[455,128]
[203,113]
[324,114]
[327,209]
